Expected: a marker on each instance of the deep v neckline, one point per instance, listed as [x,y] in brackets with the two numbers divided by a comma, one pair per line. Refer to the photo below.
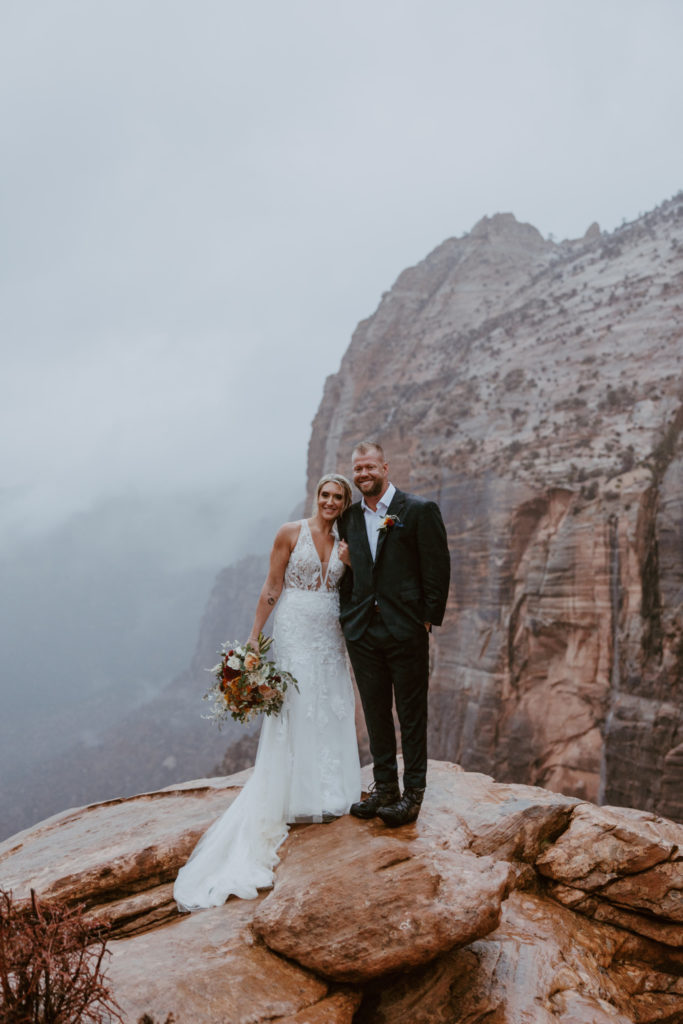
[323,577]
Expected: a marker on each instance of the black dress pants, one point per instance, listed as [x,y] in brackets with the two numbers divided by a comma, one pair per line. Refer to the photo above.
[388,669]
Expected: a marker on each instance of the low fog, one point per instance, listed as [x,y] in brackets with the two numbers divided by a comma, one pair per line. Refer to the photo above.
[199,203]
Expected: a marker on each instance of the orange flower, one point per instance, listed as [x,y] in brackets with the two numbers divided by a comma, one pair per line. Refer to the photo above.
[251,660]
[388,523]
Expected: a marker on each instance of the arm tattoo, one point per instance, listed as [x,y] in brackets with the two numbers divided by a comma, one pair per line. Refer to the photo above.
[271,600]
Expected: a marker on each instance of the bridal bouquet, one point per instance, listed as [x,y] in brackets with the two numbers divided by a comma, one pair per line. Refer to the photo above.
[246,684]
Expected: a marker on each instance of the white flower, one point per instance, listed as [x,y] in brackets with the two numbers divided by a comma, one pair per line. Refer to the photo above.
[234,662]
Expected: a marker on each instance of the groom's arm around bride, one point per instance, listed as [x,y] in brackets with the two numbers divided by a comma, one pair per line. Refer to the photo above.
[395,589]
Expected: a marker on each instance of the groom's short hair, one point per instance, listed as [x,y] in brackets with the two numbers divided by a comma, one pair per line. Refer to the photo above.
[363,447]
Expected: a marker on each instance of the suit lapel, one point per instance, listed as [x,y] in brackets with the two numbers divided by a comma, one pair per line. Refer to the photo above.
[360,532]
[395,509]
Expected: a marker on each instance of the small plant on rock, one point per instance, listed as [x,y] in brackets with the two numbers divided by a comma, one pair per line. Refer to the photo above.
[51,965]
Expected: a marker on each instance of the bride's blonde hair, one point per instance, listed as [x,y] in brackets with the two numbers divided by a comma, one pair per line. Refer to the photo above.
[333,478]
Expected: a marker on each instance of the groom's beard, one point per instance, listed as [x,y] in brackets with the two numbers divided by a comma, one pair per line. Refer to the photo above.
[373,490]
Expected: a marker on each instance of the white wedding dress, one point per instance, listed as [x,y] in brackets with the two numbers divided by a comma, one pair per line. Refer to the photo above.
[307,760]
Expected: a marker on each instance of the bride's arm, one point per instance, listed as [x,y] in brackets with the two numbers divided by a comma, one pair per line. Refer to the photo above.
[285,539]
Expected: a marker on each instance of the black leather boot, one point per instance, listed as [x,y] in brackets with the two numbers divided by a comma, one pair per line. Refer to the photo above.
[404,810]
[379,796]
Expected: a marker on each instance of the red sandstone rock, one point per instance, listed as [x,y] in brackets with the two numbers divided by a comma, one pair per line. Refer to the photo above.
[508,822]
[118,850]
[604,843]
[353,899]
[127,878]
[398,902]
[621,867]
[335,1009]
[658,891]
[542,965]
[206,969]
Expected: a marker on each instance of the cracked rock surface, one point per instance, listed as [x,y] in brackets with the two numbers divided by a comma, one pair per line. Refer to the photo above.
[503,902]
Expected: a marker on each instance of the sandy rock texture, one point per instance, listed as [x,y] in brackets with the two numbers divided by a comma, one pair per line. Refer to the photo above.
[623,867]
[533,388]
[542,965]
[398,904]
[503,903]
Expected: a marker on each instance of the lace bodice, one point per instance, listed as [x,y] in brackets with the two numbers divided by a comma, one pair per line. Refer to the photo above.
[305,571]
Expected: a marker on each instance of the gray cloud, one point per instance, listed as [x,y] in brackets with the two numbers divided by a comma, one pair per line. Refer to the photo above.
[200,201]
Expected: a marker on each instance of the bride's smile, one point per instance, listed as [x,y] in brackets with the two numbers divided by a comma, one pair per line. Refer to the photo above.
[331,501]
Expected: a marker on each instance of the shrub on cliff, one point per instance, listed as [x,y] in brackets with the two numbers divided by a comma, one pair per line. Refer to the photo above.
[51,966]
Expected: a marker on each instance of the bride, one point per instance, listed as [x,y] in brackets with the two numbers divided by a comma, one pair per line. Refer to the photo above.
[307,766]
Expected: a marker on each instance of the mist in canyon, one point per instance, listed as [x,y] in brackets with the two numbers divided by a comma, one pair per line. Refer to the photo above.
[200,207]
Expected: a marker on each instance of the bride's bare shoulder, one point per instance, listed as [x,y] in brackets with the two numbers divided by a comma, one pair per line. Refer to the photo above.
[288,534]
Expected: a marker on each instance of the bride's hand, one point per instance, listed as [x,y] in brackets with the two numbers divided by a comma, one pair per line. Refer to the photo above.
[343,552]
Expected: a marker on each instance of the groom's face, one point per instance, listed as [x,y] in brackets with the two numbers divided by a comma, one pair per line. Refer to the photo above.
[370,474]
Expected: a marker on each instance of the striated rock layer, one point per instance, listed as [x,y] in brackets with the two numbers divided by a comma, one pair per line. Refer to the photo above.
[504,902]
[534,389]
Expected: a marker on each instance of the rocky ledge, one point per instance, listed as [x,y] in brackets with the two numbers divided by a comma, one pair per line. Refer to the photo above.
[503,903]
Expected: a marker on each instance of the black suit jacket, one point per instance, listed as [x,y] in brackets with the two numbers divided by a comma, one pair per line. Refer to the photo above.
[410,576]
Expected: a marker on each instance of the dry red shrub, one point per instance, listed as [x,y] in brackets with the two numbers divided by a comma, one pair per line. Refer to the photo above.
[51,966]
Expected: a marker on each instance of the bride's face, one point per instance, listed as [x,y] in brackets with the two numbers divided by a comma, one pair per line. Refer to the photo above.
[330,500]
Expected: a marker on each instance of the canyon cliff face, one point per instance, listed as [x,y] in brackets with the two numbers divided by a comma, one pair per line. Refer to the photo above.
[534,390]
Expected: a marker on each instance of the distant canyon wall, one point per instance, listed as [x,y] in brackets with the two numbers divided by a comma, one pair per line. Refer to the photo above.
[534,389]
[161,742]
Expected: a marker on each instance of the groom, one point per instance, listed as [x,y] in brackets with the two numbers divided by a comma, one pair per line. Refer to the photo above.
[396,589]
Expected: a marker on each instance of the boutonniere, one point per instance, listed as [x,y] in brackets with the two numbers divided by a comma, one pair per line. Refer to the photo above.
[388,523]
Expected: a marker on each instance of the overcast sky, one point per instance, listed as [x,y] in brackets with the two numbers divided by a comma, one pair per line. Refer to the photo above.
[200,200]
